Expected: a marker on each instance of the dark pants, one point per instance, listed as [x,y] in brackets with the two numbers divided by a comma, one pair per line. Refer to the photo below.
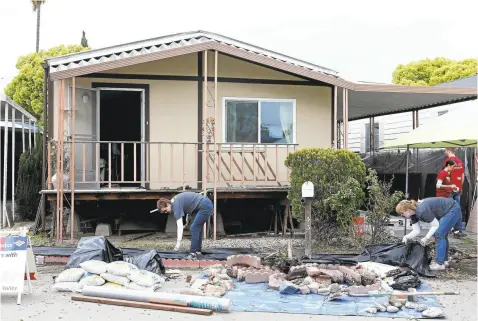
[196,229]
[441,235]
[459,224]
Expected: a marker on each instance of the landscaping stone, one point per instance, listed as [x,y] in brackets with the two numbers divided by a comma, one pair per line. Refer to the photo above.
[433,313]
[313,287]
[304,289]
[421,307]
[380,307]
[214,290]
[392,309]
[336,275]
[199,284]
[288,288]
[411,305]
[312,270]
[245,260]
[371,310]
[261,276]
[276,280]
[351,276]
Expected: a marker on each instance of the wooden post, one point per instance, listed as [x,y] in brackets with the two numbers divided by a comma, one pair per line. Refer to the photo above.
[308,227]
[335,118]
[5,162]
[72,161]
[204,142]
[215,143]
[13,165]
[58,132]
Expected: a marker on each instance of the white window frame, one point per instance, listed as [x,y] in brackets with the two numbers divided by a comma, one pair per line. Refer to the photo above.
[259,101]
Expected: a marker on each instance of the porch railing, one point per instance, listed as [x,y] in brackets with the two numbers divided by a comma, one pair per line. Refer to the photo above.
[112,164]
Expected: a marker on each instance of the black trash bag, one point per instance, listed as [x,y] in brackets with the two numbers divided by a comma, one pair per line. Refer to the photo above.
[94,248]
[405,282]
[150,261]
[411,255]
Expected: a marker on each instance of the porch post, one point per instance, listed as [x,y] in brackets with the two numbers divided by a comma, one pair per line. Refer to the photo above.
[23,132]
[215,144]
[13,166]
[204,142]
[44,144]
[58,131]
[72,160]
[199,120]
[334,131]
[345,116]
[5,162]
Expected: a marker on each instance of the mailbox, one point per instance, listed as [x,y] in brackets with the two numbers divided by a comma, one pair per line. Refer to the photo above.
[308,189]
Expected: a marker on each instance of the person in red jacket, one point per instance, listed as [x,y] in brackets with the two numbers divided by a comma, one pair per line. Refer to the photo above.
[457,178]
[444,187]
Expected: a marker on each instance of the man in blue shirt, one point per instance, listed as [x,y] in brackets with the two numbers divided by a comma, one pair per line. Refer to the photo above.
[442,214]
[188,203]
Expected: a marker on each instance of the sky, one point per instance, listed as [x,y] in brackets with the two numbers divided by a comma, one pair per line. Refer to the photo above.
[362,40]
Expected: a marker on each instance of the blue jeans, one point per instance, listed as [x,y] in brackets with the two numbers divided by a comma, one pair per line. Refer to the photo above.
[202,216]
[441,235]
[459,224]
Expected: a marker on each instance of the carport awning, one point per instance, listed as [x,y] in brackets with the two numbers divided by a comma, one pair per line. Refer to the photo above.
[369,100]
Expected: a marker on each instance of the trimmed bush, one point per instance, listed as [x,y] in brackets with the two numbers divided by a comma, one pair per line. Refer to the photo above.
[27,195]
[339,181]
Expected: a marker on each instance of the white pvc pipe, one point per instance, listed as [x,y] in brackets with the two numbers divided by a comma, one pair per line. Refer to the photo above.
[14,134]
[5,165]
[211,303]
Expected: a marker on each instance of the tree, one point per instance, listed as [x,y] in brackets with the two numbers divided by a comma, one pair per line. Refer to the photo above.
[26,89]
[429,72]
[37,7]
[84,41]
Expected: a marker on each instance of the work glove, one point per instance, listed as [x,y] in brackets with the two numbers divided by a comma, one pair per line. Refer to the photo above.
[176,248]
[404,240]
[423,242]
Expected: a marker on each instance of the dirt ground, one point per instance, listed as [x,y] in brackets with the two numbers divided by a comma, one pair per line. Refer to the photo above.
[44,304]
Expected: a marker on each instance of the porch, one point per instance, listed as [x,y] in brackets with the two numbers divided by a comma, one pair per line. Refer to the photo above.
[145,169]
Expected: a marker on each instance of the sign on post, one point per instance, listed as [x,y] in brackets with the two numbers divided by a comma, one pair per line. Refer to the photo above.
[13,265]
[307,196]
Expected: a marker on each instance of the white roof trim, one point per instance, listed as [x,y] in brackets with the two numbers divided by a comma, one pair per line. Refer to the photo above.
[168,42]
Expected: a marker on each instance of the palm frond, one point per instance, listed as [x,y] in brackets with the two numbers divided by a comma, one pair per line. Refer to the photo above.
[37,3]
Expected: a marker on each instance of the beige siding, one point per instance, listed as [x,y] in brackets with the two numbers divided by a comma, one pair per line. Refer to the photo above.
[174,110]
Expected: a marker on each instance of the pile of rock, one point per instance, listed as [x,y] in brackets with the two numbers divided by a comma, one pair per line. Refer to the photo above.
[215,283]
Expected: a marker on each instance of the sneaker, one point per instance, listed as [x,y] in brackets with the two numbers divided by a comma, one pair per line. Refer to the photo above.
[459,234]
[192,256]
[437,267]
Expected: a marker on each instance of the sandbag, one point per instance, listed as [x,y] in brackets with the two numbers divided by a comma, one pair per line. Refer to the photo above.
[67,287]
[145,278]
[112,285]
[134,286]
[149,261]
[92,280]
[94,266]
[94,248]
[121,280]
[120,268]
[70,275]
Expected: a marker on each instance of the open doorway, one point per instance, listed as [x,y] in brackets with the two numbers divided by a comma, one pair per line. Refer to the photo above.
[121,121]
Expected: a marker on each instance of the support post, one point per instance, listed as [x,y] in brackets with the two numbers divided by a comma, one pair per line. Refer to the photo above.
[13,165]
[308,227]
[44,144]
[215,143]
[34,134]
[23,132]
[345,116]
[58,131]
[406,187]
[5,163]
[204,142]
[29,134]
[335,138]
[72,160]
[1,208]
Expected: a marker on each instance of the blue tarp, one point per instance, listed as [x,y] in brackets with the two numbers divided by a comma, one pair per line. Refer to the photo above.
[258,298]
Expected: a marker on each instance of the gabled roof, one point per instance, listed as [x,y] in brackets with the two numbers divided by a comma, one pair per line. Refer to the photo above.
[366,99]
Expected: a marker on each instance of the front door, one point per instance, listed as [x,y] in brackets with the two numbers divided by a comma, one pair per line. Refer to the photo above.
[87,166]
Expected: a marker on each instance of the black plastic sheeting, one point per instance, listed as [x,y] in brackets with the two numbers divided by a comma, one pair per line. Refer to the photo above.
[150,261]
[211,254]
[94,248]
[411,255]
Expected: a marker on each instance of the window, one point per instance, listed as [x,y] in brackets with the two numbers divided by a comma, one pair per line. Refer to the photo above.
[264,121]
[376,137]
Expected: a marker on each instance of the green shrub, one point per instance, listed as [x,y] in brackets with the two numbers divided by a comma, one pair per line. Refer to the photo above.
[380,203]
[29,181]
[339,181]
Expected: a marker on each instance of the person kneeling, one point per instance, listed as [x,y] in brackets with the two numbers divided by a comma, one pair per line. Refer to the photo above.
[188,203]
[442,214]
